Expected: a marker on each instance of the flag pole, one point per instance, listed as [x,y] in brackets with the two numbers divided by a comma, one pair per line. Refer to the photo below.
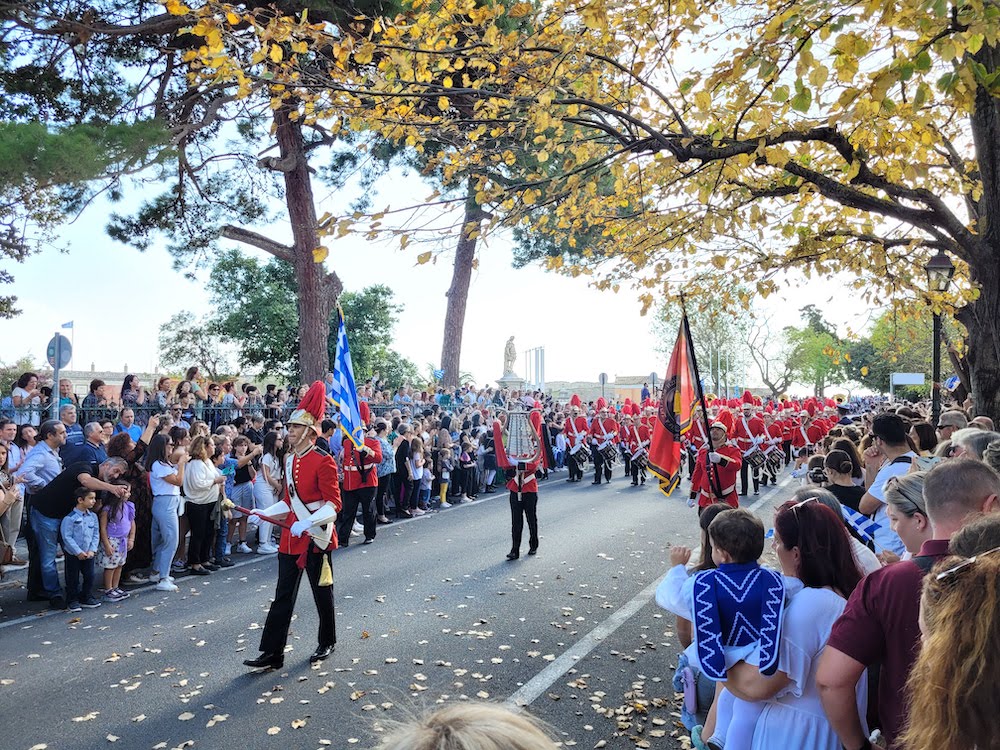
[714,474]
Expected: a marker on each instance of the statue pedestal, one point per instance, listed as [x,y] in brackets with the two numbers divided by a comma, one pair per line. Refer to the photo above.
[511,381]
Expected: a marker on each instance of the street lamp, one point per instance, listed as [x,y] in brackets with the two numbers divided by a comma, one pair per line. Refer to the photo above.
[939,270]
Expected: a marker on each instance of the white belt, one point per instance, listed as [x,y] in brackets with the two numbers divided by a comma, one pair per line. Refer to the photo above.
[727,491]
[314,506]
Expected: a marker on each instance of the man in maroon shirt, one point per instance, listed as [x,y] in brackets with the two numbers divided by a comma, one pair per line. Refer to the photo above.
[880,623]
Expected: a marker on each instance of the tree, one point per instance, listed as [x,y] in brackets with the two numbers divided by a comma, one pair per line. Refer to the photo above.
[185,340]
[717,336]
[826,140]
[773,354]
[815,357]
[225,152]
[256,310]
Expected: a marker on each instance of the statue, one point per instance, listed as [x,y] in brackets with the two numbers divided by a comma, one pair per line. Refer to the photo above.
[509,357]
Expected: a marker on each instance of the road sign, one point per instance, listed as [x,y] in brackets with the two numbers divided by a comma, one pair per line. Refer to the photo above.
[61,344]
[602,378]
[952,382]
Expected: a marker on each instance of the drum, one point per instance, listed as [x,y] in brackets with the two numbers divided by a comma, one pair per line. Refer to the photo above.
[610,454]
[756,459]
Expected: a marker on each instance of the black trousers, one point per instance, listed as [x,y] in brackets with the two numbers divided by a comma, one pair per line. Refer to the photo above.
[638,469]
[600,466]
[691,460]
[626,459]
[202,532]
[383,488]
[786,446]
[743,478]
[575,465]
[523,505]
[353,499]
[279,618]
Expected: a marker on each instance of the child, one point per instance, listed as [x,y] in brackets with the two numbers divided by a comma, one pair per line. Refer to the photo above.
[424,496]
[117,525]
[80,534]
[736,610]
[470,480]
[447,464]
[417,470]
[242,492]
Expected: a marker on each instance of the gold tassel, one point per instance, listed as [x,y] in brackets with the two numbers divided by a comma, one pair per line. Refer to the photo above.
[326,573]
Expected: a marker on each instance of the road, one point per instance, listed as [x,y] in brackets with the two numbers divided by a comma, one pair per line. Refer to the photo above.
[431,612]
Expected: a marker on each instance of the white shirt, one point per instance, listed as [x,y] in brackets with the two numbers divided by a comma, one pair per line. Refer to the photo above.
[157,484]
[885,537]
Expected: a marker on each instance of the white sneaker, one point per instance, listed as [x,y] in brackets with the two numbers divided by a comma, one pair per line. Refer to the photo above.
[445,505]
[358,528]
[229,548]
[266,549]
[166,586]
[153,578]
[243,549]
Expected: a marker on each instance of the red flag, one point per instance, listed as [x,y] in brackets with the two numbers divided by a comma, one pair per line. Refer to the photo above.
[678,401]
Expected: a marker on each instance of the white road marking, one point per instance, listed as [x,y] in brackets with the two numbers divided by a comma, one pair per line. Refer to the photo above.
[537,685]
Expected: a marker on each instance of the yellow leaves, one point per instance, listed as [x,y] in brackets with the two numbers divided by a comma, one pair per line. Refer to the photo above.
[176,8]
[703,100]
[520,10]
[364,54]
[320,254]
[594,15]
[423,258]
[276,53]
[442,103]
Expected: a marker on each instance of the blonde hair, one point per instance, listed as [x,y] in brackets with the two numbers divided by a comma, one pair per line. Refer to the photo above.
[201,448]
[416,446]
[470,726]
[955,680]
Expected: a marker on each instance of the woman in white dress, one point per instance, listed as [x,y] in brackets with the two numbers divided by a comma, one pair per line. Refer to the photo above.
[811,545]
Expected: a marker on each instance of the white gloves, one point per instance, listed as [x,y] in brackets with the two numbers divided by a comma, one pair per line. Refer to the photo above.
[299,528]
[713,457]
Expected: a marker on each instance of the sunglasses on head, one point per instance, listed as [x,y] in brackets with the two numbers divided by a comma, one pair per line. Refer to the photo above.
[967,562]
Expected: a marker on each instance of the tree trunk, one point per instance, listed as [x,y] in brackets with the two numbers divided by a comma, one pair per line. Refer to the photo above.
[980,320]
[317,290]
[458,292]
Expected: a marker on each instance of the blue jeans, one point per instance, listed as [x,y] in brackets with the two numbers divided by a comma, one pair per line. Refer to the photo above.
[220,537]
[46,532]
[166,532]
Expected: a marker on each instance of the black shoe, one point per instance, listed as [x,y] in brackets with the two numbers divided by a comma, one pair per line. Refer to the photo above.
[489,489]
[57,602]
[202,571]
[533,551]
[635,484]
[266,661]
[404,514]
[368,541]
[211,566]
[383,520]
[512,555]
[225,562]
[320,654]
[596,481]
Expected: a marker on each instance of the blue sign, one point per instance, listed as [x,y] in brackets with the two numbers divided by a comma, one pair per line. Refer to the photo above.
[60,344]
[952,382]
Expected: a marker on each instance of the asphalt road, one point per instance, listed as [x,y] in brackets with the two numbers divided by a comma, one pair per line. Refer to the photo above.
[432,612]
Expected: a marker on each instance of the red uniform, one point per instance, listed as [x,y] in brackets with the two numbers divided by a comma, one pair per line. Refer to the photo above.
[750,432]
[803,436]
[704,476]
[523,488]
[312,483]
[361,469]
[603,432]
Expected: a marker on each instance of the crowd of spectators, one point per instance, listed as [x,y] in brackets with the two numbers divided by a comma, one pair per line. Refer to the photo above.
[890,552]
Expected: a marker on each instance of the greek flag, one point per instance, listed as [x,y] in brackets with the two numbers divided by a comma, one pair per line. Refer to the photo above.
[860,523]
[68,325]
[345,393]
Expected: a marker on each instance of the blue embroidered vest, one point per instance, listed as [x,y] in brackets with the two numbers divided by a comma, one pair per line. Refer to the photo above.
[737,604]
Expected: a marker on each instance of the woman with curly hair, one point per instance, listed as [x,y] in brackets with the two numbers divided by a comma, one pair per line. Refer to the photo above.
[955,681]
[122,446]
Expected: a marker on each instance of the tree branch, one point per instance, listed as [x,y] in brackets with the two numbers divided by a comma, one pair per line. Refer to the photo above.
[249,237]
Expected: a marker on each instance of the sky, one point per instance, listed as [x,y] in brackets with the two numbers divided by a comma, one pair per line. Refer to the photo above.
[118,297]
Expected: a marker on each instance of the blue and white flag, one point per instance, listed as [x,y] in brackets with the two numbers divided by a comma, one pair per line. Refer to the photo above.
[860,523]
[68,325]
[438,374]
[345,393]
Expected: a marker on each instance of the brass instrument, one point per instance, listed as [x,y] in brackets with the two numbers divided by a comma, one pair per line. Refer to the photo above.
[521,440]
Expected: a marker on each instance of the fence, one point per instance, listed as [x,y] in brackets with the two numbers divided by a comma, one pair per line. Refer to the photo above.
[213,414]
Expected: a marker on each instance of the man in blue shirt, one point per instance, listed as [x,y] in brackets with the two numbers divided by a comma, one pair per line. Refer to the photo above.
[93,451]
[127,424]
[75,439]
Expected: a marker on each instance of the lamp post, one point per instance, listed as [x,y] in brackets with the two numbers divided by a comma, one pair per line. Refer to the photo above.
[939,270]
